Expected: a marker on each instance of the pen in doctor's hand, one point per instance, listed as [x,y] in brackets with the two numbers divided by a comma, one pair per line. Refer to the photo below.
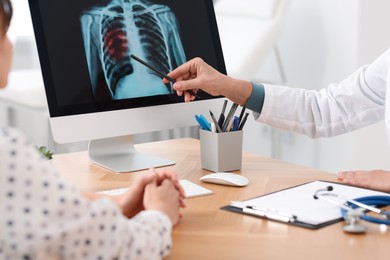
[160,73]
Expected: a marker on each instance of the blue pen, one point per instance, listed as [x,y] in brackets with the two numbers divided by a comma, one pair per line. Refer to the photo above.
[236,122]
[200,122]
[206,123]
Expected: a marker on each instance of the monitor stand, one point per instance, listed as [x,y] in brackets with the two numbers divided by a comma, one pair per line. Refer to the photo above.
[119,155]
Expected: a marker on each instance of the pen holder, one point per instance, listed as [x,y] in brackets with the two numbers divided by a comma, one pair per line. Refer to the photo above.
[221,151]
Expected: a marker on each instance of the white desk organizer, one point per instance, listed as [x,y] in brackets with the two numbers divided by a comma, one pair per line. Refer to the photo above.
[221,151]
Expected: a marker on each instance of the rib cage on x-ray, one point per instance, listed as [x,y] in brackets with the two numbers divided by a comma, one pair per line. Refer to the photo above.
[122,27]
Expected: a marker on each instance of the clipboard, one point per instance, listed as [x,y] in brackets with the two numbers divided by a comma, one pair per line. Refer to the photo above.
[296,205]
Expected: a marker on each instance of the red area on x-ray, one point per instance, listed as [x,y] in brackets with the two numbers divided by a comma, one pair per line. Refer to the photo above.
[116,43]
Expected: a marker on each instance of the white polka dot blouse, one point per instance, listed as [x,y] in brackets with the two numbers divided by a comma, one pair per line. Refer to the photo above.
[43,217]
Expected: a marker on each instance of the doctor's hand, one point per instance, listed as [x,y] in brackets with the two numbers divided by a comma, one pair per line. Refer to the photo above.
[376,179]
[197,74]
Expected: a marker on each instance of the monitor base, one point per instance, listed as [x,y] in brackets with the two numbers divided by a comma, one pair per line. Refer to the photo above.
[119,155]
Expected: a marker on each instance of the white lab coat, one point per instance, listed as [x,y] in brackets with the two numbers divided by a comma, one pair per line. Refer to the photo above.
[360,100]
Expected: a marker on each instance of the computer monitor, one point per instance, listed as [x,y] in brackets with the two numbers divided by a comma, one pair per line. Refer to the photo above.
[97,92]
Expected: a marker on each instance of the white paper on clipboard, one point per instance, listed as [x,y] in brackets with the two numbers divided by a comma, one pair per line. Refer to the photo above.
[299,201]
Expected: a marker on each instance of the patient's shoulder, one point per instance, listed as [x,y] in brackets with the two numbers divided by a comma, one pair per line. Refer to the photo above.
[12,136]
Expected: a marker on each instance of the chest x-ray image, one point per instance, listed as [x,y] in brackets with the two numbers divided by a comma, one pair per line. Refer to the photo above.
[113,30]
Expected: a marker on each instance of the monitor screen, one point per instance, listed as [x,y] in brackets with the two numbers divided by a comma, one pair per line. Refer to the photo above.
[95,87]
[85,49]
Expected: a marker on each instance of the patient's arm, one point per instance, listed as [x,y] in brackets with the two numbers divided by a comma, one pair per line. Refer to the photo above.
[376,179]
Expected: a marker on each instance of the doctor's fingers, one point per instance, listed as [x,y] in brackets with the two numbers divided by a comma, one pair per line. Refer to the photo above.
[188,70]
[376,179]
[190,84]
[358,178]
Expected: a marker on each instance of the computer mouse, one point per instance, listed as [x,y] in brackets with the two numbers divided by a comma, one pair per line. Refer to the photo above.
[226,178]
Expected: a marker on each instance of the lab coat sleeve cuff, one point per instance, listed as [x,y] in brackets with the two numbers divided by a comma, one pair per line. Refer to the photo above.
[268,102]
[256,99]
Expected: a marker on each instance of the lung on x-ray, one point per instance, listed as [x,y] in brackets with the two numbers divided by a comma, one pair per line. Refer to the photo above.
[113,30]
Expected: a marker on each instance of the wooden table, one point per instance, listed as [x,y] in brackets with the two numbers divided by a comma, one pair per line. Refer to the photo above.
[206,232]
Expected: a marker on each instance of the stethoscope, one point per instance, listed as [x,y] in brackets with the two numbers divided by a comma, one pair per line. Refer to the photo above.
[353,210]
